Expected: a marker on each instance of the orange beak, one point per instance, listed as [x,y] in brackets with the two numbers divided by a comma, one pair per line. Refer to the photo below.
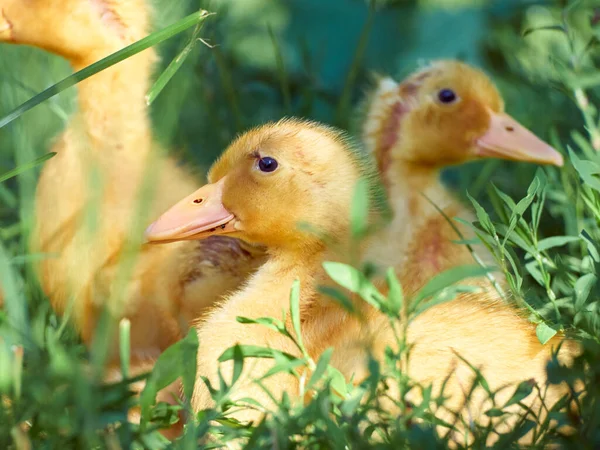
[508,139]
[197,216]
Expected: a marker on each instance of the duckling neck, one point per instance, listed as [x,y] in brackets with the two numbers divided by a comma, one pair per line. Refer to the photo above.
[112,103]
[267,292]
[409,188]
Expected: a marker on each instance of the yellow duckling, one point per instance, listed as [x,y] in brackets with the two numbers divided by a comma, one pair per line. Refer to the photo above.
[98,174]
[266,183]
[446,114]
[110,139]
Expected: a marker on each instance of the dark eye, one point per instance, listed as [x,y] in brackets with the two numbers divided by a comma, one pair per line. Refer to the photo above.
[267,164]
[447,96]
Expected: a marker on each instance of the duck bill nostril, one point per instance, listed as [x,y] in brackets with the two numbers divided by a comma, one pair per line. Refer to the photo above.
[508,139]
[195,217]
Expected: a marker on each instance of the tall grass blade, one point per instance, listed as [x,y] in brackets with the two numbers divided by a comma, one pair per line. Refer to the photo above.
[125,346]
[173,66]
[127,52]
[23,167]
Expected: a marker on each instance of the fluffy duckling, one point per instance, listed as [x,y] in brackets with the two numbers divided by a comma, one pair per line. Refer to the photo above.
[446,114]
[265,184]
[89,195]
[99,167]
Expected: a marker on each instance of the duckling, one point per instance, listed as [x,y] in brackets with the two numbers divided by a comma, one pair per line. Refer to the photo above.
[445,114]
[110,139]
[265,184]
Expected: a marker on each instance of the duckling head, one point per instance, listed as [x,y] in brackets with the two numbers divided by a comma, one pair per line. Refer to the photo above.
[448,113]
[269,182]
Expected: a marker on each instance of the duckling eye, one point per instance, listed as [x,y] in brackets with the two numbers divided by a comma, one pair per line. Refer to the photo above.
[447,96]
[267,164]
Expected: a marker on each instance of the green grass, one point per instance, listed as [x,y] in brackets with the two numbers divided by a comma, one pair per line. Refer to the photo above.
[541,225]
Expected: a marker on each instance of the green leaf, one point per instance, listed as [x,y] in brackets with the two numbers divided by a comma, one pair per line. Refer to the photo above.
[518,279]
[337,295]
[583,287]
[321,368]
[130,50]
[238,364]
[516,239]
[168,367]
[501,203]
[295,311]
[449,277]
[591,245]
[351,403]
[524,203]
[338,381]
[189,355]
[252,351]
[494,412]
[560,28]
[359,213]
[522,429]
[534,270]
[479,378]
[443,296]
[284,366]
[583,144]
[352,279]
[587,170]
[482,216]
[173,66]
[555,241]
[538,206]
[524,389]
[23,167]
[15,304]
[269,322]
[124,346]
[395,294]
[544,332]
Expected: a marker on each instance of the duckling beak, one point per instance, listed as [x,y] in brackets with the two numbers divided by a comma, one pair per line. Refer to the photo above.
[508,139]
[197,216]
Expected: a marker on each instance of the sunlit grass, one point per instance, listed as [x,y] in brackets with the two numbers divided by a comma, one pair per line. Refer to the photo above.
[548,248]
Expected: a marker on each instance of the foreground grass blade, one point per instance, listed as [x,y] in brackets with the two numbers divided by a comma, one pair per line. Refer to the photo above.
[130,50]
[15,305]
[174,66]
[125,346]
[23,167]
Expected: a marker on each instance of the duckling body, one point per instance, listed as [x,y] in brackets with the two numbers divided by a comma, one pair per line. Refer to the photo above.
[445,114]
[264,207]
[448,114]
[88,196]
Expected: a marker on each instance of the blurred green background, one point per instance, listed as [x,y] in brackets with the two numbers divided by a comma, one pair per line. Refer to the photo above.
[309,58]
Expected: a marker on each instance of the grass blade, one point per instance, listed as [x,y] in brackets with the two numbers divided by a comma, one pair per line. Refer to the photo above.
[23,167]
[173,66]
[125,346]
[130,50]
